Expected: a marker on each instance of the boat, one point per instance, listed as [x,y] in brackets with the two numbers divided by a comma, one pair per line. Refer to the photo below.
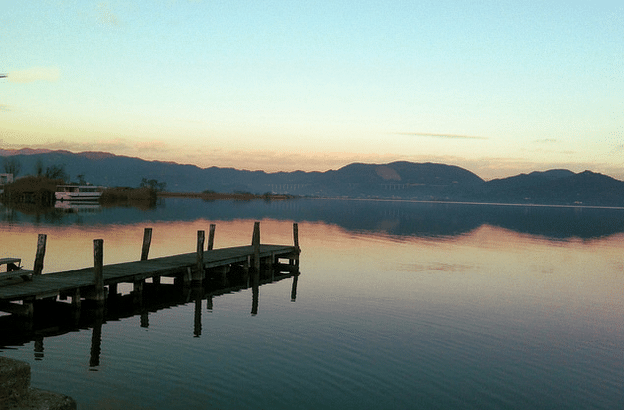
[11,268]
[78,192]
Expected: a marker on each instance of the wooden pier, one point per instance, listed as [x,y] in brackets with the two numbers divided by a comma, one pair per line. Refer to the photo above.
[98,283]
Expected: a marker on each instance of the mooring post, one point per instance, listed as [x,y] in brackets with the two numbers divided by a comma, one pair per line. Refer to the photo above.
[211,236]
[98,262]
[255,242]
[41,248]
[296,241]
[76,302]
[147,240]
[199,274]
[296,235]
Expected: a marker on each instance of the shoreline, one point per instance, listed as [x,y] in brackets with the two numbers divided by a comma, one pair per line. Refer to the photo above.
[217,195]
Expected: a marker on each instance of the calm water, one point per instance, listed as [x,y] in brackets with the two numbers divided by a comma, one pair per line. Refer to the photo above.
[398,305]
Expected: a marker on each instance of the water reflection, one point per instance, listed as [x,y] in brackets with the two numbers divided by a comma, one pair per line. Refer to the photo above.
[56,318]
[397,218]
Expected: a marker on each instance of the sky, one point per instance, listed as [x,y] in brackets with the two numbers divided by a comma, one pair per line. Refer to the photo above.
[499,88]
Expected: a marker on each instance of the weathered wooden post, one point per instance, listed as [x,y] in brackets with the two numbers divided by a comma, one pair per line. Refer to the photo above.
[296,235]
[147,240]
[41,248]
[255,242]
[76,302]
[211,236]
[199,274]
[98,271]
[295,261]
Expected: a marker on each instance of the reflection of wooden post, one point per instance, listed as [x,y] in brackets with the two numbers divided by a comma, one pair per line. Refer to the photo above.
[255,242]
[293,290]
[96,338]
[145,319]
[255,292]
[41,248]
[199,274]
[211,236]
[39,347]
[147,240]
[197,295]
[98,272]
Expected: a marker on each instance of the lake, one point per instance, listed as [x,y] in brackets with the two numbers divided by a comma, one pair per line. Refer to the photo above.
[397,305]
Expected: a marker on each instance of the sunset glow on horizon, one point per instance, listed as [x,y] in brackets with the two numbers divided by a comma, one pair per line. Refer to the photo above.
[496,88]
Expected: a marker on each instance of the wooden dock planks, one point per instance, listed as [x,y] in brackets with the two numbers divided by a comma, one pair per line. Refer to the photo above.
[53,284]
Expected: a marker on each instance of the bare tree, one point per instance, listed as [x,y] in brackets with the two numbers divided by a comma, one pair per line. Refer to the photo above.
[56,172]
[12,166]
[39,168]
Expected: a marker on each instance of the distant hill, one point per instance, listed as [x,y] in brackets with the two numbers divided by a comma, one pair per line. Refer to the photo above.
[406,180]
[557,187]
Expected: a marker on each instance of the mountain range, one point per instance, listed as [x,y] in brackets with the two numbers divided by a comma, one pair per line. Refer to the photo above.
[404,180]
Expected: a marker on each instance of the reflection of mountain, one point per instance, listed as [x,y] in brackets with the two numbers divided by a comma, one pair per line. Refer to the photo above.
[401,218]
[394,180]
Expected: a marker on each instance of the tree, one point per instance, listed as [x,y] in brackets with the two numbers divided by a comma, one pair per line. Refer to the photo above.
[56,172]
[12,166]
[39,168]
[153,184]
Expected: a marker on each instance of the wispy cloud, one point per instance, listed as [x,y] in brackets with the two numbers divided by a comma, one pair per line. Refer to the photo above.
[153,146]
[116,145]
[105,15]
[34,74]
[451,136]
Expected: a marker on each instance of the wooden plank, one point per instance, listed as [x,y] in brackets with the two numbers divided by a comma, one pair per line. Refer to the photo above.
[68,281]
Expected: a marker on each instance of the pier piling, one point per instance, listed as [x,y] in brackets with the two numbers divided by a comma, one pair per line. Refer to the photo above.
[255,242]
[41,248]
[199,274]
[211,236]
[98,272]
[147,240]
[99,282]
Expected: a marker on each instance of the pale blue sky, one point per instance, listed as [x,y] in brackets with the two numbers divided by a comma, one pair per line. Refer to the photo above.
[316,85]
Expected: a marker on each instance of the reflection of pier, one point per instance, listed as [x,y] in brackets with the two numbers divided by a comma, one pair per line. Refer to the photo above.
[58,318]
[24,298]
